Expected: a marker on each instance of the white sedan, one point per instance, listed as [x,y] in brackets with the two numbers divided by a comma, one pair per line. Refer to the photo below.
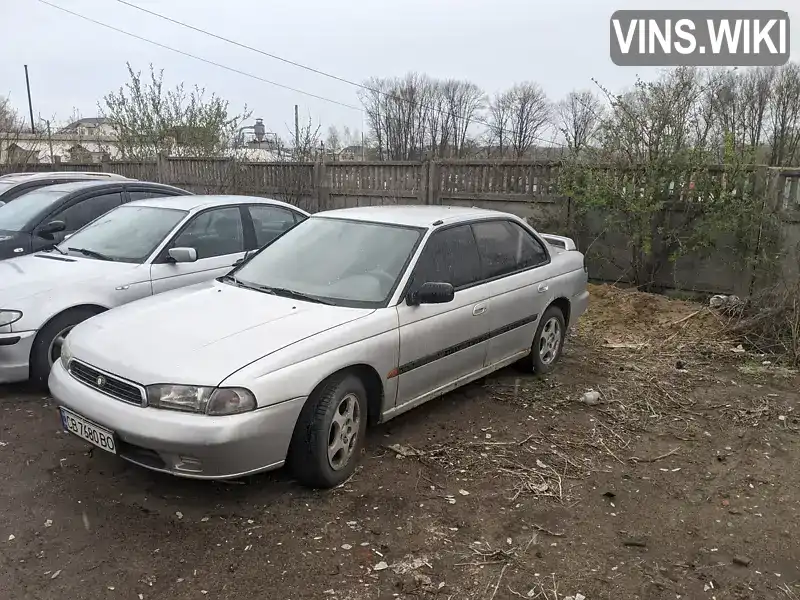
[136,250]
[352,316]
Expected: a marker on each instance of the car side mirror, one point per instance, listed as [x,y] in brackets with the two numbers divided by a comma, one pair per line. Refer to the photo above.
[51,228]
[182,255]
[432,292]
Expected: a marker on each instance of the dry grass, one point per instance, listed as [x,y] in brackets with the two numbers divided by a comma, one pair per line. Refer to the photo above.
[645,353]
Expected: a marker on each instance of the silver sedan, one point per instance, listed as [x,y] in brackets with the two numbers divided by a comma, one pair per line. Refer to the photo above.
[352,317]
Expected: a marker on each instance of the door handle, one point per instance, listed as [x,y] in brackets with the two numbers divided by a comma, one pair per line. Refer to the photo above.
[543,287]
[479,309]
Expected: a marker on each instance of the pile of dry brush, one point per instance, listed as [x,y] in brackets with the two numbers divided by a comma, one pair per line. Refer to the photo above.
[768,322]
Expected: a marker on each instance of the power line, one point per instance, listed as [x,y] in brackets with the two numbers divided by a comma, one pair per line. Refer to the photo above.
[200,58]
[320,72]
[241,45]
[280,85]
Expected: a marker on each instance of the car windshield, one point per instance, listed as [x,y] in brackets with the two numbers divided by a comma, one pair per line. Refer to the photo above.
[25,211]
[125,234]
[334,261]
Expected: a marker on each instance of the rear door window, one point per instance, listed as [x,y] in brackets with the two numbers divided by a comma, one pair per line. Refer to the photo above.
[87,210]
[269,222]
[505,248]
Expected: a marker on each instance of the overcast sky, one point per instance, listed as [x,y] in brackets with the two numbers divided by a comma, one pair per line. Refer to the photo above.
[560,44]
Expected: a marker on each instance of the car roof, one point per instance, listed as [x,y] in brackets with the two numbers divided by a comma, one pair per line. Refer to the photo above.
[24,177]
[196,203]
[75,186]
[413,216]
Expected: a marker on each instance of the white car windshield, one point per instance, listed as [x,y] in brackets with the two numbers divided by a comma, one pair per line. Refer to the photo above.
[334,261]
[125,234]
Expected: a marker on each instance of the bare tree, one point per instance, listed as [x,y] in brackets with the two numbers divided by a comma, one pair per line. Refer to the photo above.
[784,122]
[529,115]
[19,146]
[333,142]
[578,117]
[416,116]
[150,119]
[10,119]
[306,142]
[463,101]
[756,87]
[499,122]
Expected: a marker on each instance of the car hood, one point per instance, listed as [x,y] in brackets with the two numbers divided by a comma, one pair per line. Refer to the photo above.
[199,335]
[43,272]
[12,240]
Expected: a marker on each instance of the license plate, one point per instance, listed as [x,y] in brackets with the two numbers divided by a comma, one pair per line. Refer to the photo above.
[85,429]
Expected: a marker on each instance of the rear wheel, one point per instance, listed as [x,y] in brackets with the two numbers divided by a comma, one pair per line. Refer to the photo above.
[47,345]
[547,343]
[330,432]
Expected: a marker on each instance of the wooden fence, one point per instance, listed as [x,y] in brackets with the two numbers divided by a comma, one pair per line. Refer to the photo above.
[525,188]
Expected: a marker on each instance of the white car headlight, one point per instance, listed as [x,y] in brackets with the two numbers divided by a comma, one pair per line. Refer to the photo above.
[7,317]
[66,353]
[197,399]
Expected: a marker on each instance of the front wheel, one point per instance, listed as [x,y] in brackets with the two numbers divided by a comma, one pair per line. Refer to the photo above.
[47,345]
[547,343]
[330,433]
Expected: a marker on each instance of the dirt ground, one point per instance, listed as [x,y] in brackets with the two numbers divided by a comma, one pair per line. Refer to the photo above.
[678,479]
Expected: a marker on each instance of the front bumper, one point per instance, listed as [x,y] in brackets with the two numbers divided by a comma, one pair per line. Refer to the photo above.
[15,355]
[188,445]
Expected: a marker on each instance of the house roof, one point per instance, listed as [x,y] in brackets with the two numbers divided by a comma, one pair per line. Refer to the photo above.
[87,121]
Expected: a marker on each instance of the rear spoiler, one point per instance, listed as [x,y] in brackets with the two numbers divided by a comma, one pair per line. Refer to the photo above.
[559,241]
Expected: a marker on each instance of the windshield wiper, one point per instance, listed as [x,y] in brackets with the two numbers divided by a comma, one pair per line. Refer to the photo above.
[293,294]
[234,281]
[51,248]
[91,253]
[275,291]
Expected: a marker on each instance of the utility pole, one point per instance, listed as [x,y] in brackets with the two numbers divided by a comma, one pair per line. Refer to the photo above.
[296,131]
[30,104]
[50,141]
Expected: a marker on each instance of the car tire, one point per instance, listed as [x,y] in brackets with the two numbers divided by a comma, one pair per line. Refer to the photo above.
[42,353]
[329,435]
[548,343]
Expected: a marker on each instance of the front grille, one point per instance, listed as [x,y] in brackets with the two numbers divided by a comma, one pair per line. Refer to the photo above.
[107,384]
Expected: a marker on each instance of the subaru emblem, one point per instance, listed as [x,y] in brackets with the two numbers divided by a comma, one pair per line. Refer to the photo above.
[100,381]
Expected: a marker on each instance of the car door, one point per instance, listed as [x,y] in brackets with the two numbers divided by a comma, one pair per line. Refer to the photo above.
[443,343]
[77,213]
[269,222]
[217,235]
[516,267]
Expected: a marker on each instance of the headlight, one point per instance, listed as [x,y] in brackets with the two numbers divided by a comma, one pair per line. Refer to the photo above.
[231,401]
[196,399]
[7,317]
[66,353]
